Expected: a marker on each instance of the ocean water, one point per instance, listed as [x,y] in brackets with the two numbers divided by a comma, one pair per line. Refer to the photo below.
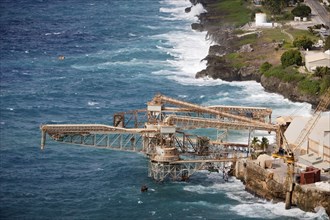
[118,55]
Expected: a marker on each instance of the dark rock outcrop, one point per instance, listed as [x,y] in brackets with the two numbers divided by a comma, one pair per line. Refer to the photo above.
[197,27]
[288,90]
[219,68]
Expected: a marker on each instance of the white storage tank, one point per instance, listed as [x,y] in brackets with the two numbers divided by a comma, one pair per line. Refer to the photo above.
[261,18]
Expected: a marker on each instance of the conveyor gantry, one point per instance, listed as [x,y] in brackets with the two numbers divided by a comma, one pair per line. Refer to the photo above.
[159,133]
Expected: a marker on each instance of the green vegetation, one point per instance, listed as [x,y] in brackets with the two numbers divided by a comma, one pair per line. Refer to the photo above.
[327,43]
[297,32]
[275,6]
[234,12]
[306,83]
[322,71]
[248,39]
[274,35]
[235,59]
[265,67]
[325,84]
[264,143]
[289,74]
[301,11]
[309,86]
[291,57]
[303,42]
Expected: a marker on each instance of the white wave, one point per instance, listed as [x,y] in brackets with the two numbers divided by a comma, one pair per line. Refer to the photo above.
[10,109]
[152,27]
[54,33]
[219,185]
[92,103]
[188,47]
[176,9]
[152,212]
[58,77]
[56,121]
[249,206]
[197,10]
[203,204]
[110,64]
[253,94]
[270,210]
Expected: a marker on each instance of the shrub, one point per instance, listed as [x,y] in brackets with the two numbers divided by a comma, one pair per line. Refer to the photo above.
[291,57]
[303,42]
[309,86]
[327,43]
[276,71]
[265,67]
[321,71]
[325,84]
[292,74]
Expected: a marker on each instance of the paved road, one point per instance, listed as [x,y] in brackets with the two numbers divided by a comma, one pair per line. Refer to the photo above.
[320,11]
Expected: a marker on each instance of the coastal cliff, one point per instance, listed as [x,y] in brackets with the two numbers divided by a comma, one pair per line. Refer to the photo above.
[224,60]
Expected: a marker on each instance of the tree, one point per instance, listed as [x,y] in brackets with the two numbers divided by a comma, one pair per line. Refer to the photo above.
[264,143]
[303,42]
[327,43]
[255,142]
[291,57]
[275,6]
[301,11]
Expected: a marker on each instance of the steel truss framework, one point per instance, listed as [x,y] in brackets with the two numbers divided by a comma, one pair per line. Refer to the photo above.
[158,132]
[182,171]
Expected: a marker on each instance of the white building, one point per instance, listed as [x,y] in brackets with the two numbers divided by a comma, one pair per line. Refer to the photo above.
[317,142]
[261,21]
[316,59]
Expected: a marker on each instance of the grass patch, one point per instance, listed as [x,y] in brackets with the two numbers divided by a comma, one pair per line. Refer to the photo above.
[233,11]
[275,34]
[297,32]
[248,39]
[235,59]
[289,74]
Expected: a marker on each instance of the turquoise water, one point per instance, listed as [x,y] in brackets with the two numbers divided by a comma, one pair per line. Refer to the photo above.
[118,55]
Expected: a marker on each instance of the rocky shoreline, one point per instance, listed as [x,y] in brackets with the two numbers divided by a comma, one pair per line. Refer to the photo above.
[219,68]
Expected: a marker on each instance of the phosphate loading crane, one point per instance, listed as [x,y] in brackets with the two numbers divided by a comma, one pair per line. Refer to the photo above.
[290,150]
[159,132]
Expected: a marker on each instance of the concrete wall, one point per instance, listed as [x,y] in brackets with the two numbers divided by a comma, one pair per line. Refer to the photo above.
[314,64]
[319,149]
[261,182]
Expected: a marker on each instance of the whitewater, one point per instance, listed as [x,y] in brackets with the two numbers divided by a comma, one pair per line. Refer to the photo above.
[118,55]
